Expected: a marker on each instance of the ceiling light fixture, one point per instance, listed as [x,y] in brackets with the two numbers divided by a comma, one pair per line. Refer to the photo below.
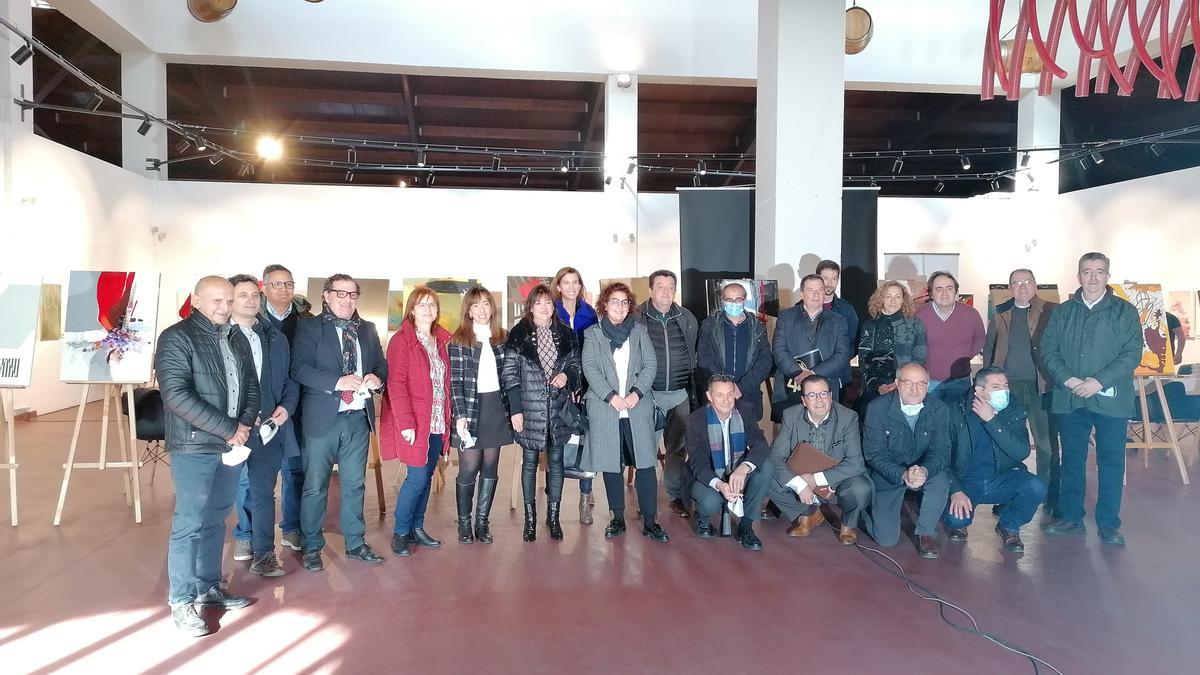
[23,53]
[565,165]
[403,183]
[524,179]
[965,161]
[349,176]
[95,101]
[216,159]
[144,127]
[201,144]
[995,184]
[1097,157]
[1156,149]
[898,165]
[182,146]
[420,158]
[269,148]
[696,180]
[939,187]
[624,80]
[701,169]
[1024,160]
[495,162]
[632,167]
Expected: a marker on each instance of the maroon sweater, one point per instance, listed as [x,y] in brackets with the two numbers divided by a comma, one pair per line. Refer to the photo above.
[953,342]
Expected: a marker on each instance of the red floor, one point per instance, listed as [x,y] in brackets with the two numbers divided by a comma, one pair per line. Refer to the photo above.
[89,596]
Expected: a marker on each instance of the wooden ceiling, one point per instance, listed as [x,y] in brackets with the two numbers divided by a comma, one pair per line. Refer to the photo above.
[553,117]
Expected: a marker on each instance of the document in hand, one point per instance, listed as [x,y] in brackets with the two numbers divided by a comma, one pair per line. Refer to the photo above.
[806,458]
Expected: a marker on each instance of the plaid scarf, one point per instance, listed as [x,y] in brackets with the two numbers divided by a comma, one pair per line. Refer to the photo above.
[716,440]
[349,328]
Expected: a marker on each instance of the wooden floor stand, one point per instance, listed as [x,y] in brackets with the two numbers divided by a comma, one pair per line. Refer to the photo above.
[8,414]
[1148,442]
[126,437]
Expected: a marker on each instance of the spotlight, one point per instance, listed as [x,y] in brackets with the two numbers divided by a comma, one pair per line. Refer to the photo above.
[1156,149]
[216,159]
[496,163]
[624,80]
[244,170]
[144,127]
[995,185]
[182,146]
[201,144]
[939,187]
[349,176]
[1097,157]
[420,158]
[966,162]
[269,148]
[564,166]
[524,179]
[608,180]
[898,165]
[700,169]
[352,156]
[403,183]
[95,101]
[432,178]
[631,169]
[696,180]
[1083,164]
[1024,160]
[22,54]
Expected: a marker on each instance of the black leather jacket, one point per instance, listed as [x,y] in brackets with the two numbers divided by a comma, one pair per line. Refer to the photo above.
[191,375]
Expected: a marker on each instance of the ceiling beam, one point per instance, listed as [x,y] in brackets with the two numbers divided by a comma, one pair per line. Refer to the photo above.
[410,108]
[497,103]
[589,128]
[429,131]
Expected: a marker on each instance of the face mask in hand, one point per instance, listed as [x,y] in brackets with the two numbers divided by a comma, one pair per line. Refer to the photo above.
[998,399]
[734,308]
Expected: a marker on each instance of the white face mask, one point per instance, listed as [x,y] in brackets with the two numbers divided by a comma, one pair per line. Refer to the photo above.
[911,410]
[998,399]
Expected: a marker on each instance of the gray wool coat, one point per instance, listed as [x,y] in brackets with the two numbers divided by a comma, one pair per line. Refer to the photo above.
[602,447]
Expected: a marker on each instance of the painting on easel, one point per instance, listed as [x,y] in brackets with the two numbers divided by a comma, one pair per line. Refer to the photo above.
[109,333]
[1149,300]
[18,331]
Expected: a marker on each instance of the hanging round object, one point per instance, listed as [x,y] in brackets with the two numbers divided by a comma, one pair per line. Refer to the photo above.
[1030,63]
[209,11]
[859,28]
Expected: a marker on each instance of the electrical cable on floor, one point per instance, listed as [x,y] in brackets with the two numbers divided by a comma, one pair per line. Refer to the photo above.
[917,589]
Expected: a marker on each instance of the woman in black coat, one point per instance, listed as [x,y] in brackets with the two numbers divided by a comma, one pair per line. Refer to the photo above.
[541,368]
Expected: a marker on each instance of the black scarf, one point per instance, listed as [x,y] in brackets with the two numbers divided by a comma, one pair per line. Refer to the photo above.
[349,338]
[617,334]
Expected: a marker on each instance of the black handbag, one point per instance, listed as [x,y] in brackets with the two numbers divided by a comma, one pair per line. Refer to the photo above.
[574,415]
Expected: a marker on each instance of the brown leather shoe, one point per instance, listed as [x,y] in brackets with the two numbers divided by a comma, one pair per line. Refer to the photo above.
[847,536]
[803,526]
[678,509]
[1012,540]
[927,547]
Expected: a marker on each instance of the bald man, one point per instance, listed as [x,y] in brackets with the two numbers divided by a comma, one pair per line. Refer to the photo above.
[210,395]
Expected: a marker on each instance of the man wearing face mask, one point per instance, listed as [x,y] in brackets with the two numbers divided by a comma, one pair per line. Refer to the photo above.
[734,342]
[907,444]
[989,444]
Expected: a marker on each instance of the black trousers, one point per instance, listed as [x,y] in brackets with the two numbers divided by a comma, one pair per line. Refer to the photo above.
[645,481]
[554,477]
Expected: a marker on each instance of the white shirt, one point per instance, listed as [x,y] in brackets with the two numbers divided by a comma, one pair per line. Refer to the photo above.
[487,379]
[358,403]
[255,347]
[1092,303]
[798,484]
[621,362]
[943,316]
[277,315]
[725,435]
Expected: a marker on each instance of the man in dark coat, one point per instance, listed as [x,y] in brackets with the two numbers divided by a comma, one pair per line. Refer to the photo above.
[808,339]
[338,361]
[254,537]
[727,454]
[210,397]
[989,444]
[734,342]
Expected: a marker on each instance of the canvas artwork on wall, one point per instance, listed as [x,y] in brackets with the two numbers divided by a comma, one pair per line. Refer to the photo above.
[372,304]
[109,332]
[1150,302]
[18,331]
[395,310]
[762,295]
[639,285]
[51,313]
[517,292]
[450,293]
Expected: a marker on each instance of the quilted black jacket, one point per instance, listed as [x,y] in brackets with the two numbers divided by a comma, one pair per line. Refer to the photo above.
[525,386]
[191,375]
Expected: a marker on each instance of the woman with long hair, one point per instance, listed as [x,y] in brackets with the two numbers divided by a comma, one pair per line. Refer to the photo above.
[481,424]
[619,364]
[416,413]
[891,337]
[541,369]
[579,316]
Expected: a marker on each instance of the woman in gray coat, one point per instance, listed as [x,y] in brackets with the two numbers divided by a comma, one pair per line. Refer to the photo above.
[619,365]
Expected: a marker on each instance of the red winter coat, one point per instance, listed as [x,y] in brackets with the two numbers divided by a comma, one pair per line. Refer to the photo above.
[408,397]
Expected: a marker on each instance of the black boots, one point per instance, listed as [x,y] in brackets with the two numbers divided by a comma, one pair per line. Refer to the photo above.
[483,507]
[464,492]
[530,531]
[552,523]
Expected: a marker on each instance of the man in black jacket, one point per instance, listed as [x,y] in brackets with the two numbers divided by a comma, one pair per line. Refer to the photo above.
[808,339]
[210,396]
[907,444]
[734,342]
[727,454]
[338,361]
[989,444]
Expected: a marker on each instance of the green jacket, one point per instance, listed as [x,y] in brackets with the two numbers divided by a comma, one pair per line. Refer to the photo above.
[1104,342]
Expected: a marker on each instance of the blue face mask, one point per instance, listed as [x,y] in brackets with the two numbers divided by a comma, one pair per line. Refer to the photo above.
[734,308]
[998,399]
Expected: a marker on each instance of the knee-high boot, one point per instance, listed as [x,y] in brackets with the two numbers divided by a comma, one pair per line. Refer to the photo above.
[463,493]
[554,481]
[483,509]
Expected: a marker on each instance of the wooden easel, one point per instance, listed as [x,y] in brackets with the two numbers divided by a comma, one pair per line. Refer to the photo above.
[112,394]
[1148,443]
[8,413]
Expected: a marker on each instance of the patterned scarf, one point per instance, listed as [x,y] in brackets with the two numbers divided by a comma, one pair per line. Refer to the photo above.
[716,440]
[349,328]
[546,351]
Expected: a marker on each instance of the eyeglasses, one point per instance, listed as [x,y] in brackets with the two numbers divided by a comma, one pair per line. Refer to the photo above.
[618,302]
[735,301]
[353,295]
[280,285]
[814,395]
[919,384]
[1022,282]
[427,305]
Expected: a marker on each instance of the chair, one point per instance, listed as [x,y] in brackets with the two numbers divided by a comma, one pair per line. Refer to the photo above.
[149,421]
[1185,409]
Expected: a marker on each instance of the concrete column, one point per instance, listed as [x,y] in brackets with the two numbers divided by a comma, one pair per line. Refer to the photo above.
[144,84]
[801,108]
[12,79]
[620,132]
[1038,119]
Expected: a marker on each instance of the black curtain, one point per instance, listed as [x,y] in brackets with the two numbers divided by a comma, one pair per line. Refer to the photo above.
[860,247]
[716,241]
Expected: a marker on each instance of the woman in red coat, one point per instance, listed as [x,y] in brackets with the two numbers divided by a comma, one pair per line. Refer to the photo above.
[416,413]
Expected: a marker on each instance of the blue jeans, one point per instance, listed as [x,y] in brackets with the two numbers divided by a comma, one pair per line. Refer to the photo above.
[204,490]
[292,470]
[345,444]
[950,391]
[414,493]
[256,498]
[585,486]
[241,504]
[1018,490]
[1074,430]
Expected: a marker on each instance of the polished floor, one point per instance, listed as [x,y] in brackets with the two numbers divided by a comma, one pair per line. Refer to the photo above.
[89,596]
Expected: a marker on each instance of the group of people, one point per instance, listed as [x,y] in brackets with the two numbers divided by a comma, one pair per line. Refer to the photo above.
[254,385]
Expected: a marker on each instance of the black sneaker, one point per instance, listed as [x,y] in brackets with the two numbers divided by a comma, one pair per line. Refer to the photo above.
[656,532]
[956,533]
[188,620]
[312,561]
[616,528]
[1058,526]
[365,554]
[749,540]
[217,597]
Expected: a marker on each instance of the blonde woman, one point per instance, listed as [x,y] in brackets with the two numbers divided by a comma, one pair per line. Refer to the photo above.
[891,337]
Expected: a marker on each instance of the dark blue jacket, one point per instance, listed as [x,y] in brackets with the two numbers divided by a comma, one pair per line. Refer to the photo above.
[891,446]
[796,334]
[844,308]
[317,366]
[585,317]
[276,387]
[710,358]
